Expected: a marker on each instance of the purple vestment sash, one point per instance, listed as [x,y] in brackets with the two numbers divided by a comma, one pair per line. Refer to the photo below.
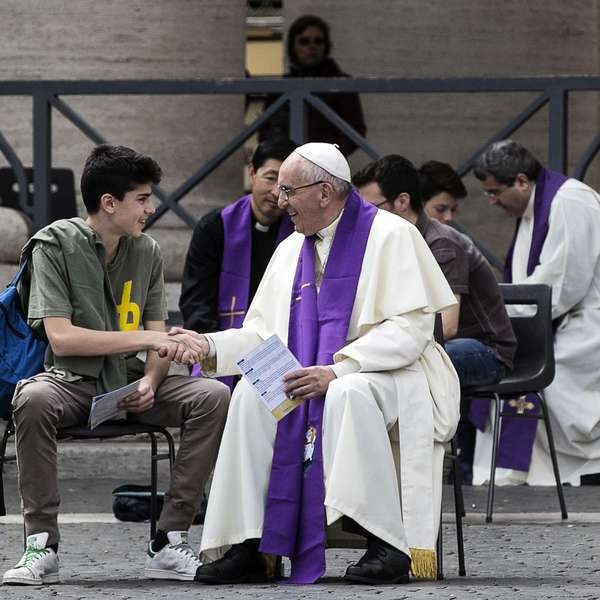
[517,435]
[234,280]
[294,521]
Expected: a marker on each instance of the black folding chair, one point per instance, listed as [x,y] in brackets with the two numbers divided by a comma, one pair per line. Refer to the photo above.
[109,430]
[533,371]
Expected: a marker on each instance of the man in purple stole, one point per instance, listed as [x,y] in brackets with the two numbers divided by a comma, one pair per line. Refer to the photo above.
[556,242]
[231,247]
[361,326]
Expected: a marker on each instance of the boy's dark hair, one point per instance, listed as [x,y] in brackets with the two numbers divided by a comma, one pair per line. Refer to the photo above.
[299,25]
[395,175]
[437,177]
[115,170]
[278,148]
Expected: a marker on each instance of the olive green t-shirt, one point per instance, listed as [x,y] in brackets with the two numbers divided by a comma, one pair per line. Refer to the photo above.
[59,283]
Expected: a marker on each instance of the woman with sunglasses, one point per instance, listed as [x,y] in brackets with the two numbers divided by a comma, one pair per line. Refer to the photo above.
[308,48]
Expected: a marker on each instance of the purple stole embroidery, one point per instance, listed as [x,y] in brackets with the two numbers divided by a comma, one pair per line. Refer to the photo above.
[294,521]
[517,435]
[234,281]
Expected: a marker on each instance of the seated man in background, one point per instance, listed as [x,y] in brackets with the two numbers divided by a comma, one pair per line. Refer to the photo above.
[479,337]
[231,248]
[441,189]
[93,282]
[364,337]
[556,242]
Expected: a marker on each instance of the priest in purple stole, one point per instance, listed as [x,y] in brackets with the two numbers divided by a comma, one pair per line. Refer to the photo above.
[556,242]
[231,247]
[361,326]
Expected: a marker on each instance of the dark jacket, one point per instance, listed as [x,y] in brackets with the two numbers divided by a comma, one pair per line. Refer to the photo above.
[318,128]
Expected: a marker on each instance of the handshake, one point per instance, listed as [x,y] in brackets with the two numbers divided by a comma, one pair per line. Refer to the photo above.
[181,346]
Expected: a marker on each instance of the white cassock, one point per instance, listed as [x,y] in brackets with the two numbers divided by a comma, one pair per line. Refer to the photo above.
[570,264]
[389,367]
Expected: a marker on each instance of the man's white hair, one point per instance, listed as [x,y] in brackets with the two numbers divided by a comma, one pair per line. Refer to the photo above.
[312,172]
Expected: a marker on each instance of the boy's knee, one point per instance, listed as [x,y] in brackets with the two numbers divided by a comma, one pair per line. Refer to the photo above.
[31,401]
[213,397]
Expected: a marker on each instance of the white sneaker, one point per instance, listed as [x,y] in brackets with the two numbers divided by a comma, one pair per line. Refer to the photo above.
[37,566]
[176,560]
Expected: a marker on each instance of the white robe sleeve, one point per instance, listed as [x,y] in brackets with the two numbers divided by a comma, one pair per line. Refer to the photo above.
[571,249]
[393,344]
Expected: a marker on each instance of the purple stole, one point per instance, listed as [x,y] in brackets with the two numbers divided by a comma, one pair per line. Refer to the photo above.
[294,521]
[517,436]
[234,281]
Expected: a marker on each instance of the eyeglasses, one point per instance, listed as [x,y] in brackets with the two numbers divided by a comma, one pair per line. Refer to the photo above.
[290,191]
[382,203]
[495,193]
[306,40]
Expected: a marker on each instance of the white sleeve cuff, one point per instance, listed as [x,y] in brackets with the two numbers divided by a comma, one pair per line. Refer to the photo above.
[345,367]
[212,349]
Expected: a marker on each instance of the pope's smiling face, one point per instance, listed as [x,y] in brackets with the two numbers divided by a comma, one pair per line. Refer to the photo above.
[304,206]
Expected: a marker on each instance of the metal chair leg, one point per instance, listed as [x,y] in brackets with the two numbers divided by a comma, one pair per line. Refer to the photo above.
[7,433]
[153,485]
[459,509]
[439,549]
[559,489]
[171,446]
[496,440]
[457,479]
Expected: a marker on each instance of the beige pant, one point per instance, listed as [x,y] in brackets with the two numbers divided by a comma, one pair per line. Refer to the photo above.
[44,404]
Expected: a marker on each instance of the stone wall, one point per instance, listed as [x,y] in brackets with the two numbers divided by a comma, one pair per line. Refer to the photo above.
[138,39]
[458,38]
[62,39]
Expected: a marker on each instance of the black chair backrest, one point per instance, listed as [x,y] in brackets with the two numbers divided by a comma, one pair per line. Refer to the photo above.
[438,329]
[534,359]
[62,190]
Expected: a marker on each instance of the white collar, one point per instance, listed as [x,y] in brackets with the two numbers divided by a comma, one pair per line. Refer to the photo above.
[260,227]
[528,214]
[329,231]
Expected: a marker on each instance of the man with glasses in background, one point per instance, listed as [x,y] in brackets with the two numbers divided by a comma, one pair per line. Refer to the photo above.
[557,243]
[231,248]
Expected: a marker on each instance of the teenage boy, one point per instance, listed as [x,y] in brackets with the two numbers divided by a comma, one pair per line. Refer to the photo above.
[93,282]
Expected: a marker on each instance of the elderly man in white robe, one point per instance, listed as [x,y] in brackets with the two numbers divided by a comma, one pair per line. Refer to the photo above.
[353,292]
[556,242]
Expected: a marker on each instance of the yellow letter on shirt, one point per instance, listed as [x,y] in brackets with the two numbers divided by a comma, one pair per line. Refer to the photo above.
[127,308]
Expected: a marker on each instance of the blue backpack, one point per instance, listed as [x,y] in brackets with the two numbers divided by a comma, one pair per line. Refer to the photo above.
[21,353]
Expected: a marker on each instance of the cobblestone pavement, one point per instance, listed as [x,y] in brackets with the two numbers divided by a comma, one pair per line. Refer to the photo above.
[529,555]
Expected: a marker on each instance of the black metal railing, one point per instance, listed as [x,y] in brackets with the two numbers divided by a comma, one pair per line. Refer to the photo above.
[48,95]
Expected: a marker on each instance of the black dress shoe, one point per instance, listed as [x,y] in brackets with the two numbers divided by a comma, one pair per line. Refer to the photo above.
[242,562]
[381,563]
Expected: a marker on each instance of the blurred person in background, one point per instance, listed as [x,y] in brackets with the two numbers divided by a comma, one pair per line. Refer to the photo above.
[441,189]
[308,49]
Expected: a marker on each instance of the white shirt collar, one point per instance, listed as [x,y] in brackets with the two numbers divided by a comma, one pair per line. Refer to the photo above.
[261,227]
[328,232]
[528,214]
